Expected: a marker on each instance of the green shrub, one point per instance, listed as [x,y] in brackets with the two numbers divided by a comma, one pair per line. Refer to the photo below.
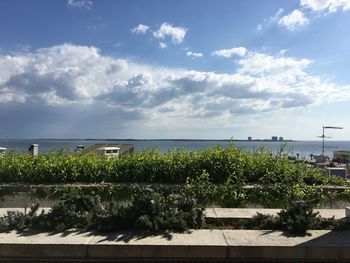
[147,210]
[152,166]
[298,217]
[201,187]
[262,221]
[215,175]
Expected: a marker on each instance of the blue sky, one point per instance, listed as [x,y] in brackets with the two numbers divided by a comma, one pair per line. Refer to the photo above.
[174,69]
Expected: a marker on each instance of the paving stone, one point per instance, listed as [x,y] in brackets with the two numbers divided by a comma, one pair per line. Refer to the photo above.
[319,244]
[196,244]
[44,245]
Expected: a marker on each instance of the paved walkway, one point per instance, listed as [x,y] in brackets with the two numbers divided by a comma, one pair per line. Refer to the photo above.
[197,244]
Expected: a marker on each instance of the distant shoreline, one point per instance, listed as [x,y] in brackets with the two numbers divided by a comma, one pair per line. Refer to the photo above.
[174,140]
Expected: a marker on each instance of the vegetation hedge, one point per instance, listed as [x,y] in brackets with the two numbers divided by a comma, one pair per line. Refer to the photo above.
[153,211]
[207,193]
[231,164]
[146,210]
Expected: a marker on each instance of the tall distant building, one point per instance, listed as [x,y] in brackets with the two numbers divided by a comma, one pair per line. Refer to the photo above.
[249,138]
[274,138]
[281,139]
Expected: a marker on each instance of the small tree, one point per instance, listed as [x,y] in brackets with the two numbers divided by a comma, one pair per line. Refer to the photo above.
[298,217]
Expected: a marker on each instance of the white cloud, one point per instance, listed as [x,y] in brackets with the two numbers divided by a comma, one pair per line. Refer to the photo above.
[162,45]
[227,53]
[177,34]
[326,5]
[140,29]
[73,86]
[277,16]
[294,20]
[87,4]
[299,17]
[257,63]
[194,54]
[270,20]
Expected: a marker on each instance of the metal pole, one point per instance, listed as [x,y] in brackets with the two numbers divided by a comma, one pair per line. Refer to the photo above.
[323,142]
[323,136]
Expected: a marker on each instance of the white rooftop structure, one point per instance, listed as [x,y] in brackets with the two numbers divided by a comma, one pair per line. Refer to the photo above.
[337,172]
[109,151]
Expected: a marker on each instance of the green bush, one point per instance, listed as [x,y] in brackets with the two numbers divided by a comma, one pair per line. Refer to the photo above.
[152,166]
[298,217]
[216,175]
[148,210]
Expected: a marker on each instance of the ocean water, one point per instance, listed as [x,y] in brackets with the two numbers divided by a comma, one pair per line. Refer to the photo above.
[304,148]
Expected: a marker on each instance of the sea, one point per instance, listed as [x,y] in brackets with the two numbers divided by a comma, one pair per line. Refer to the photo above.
[303,148]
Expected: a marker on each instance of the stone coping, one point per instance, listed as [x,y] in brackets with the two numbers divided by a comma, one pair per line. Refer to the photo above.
[246,213]
[196,244]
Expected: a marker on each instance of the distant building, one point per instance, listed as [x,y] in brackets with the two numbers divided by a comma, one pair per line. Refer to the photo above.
[321,159]
[2,150]
[274,138]
[341,156]
[108,151]
[115,150]
[80,148]
[249,138]
[34,149]
[281,139]
[337,172]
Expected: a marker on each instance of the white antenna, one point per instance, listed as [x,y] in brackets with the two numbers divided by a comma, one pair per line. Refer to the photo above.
[323,135]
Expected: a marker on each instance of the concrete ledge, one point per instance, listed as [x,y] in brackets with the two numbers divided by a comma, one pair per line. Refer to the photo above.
[34,245]
[347,211]
[198,244]
[246,213]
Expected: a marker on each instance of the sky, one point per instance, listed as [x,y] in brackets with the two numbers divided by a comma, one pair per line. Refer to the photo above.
[191,69]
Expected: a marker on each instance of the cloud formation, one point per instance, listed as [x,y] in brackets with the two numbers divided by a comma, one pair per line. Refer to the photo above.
[162,45]
[294,20]
[270,20]
[140,29]
[194,54]
[326,5]
[177,34]
[87,4]
[298,17]
[227,53]
[74,86]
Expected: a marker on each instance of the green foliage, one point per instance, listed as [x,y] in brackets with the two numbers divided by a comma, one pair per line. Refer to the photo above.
[15,220]
[262,221]
[204,190]
[147,210]
[231,194]
[216,175]
[298,217]
[152,166]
